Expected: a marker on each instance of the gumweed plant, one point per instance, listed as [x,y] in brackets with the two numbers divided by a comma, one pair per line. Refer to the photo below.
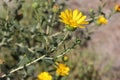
[37,37]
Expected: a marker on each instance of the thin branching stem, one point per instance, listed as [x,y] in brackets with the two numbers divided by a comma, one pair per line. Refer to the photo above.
[21,67]
[66,50]
[40,58]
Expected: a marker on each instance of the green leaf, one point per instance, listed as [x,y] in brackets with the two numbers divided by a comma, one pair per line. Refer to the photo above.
[23,61]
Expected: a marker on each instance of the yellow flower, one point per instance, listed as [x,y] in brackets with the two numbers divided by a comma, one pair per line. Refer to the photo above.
[102,20]
[62,69]
[117,8]
[73,19]
[44,76]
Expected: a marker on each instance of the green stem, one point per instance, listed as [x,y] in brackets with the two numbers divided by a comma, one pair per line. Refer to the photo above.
[54,48]
[47,30]
[21,67]
[64,38]
[66,50]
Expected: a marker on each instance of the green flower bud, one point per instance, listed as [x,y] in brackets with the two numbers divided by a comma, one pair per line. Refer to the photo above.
[35,5]
[65,58]
[70,28]
[55,8]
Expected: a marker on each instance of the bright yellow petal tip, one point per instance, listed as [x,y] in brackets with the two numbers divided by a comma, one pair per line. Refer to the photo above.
[117,8]
[62,69]
[102,20]
[73,18]
[44,76]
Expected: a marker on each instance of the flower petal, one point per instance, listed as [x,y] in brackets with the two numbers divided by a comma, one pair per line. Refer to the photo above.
[64,21]
[67,13]
[63,15]
[79,16]
[81,20]
[81,26]
[75,13]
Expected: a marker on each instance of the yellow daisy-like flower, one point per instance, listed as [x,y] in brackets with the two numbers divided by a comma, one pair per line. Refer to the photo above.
[73,18]
[102,20]
[44,76]
[117,8]
[62,69]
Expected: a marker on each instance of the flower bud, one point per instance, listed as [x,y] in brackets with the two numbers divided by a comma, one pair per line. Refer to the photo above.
[35,5]
[65,58]
[55,8]
[70,28]
[117,8]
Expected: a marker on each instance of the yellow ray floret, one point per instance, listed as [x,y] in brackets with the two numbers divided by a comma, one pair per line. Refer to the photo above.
[117,8]
[73,18]
[44,76]
[102,20]
[62,69]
